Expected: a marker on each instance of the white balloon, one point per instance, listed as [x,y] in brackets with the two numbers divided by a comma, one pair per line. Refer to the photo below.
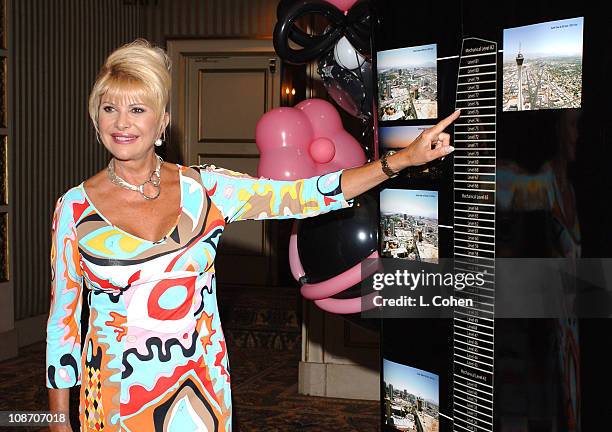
[347,56]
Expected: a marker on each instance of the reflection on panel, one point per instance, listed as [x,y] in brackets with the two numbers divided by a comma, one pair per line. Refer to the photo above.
[3,170]
[235,118]
[4,274]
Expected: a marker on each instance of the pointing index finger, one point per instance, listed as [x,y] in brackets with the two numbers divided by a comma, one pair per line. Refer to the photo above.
[444,123]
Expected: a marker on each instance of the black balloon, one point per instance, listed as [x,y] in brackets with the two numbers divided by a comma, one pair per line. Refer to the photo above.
[287,8]
[355,25]
[334,242]
[350,89]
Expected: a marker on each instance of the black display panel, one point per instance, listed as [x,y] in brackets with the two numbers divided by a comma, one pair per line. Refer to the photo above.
[540,189]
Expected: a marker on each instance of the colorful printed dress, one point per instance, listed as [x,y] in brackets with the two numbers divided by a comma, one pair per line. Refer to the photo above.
[155,357]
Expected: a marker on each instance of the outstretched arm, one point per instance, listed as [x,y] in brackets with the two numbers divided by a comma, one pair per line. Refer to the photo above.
[240,197]
[433,143]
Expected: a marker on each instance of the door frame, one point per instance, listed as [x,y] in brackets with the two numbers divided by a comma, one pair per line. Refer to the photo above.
[179,50]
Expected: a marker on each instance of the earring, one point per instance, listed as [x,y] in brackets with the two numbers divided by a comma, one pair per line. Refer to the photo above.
[160,141]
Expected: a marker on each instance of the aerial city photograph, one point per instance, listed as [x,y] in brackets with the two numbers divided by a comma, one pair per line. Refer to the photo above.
[543,66]
[408,83]
[409,224]
[411,398]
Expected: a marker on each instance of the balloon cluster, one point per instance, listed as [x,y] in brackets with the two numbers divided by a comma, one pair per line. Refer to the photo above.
[325,253]
[343,50]
[305,141]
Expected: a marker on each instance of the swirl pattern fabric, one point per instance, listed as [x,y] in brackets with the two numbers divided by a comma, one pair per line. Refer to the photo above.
[154,356]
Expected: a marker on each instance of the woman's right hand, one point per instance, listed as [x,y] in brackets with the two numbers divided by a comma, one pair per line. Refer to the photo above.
[59,402]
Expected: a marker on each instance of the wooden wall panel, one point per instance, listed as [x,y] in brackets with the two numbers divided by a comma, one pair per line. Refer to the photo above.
[173,19]
[57,48]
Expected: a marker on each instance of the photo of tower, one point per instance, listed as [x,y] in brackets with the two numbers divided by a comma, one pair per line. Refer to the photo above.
[519,67]
[543,66]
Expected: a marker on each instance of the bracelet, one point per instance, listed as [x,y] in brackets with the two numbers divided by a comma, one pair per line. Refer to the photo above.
[385,165]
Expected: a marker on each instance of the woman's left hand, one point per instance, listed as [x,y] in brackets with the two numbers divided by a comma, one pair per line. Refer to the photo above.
[433,143]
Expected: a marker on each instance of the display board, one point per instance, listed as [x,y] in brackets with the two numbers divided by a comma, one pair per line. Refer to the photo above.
[528,179]
[474,232]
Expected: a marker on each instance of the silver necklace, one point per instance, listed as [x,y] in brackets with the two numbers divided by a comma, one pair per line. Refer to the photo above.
[154,180]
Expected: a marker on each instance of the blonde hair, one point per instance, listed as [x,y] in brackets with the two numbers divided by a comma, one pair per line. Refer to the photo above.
[137,70]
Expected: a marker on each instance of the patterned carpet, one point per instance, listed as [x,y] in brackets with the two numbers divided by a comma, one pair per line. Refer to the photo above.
[264,349]
[266,399]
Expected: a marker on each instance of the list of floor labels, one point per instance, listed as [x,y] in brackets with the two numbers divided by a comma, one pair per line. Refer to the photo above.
[474,231]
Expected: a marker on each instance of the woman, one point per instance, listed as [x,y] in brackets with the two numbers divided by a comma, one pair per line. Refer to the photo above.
[142,234]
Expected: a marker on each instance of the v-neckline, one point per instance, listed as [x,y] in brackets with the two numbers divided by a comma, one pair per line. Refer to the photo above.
[121,230]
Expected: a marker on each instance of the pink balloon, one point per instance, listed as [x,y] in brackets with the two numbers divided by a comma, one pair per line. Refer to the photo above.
[283,137]
[342,281]
[322,150]
[286,164]
[305,141]
[343,5]
[302,142]
[325,289]
[346,155]
[284,127]
[323,117]
[294,257]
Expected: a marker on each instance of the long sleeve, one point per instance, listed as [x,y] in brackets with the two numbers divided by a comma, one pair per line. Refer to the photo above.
[64,323]
[241,197]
